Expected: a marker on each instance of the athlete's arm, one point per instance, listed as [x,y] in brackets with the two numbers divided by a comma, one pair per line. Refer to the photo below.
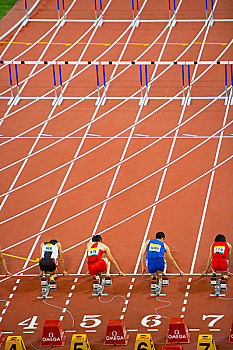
[208,262]
[112,260]
[170,257]
[229,257]
[41,272]
[4,264]
[143,256]
[61,260]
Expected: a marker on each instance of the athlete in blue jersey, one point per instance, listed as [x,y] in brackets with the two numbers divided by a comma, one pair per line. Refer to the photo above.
[155,250]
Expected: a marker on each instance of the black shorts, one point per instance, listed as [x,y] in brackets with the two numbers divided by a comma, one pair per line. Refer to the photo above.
[47,265]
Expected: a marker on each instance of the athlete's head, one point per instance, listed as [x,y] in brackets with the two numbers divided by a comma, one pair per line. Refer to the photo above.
[220,238]
[53,241]
[96,238]
[160,235]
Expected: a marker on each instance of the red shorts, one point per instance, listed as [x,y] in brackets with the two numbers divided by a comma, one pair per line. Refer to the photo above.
[219,264]
[97,267]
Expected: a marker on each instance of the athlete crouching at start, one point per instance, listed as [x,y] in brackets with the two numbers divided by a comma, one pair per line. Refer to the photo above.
[155,259]
[50,253]
[96,264]
[219,258]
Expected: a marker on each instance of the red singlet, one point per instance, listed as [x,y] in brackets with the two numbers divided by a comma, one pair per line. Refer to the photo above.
[96,263]
[219,256]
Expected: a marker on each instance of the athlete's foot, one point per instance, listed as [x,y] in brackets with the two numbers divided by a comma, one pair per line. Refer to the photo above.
[213,279]
[108,280]
[96,283]
[165,280]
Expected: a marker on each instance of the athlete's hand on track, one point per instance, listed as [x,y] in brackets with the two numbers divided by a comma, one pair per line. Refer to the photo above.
[8,274]
[122,274]
[204,273]
[86,274]
[65,274]
[40,274]
[229,273]
[143,270]
[182,273]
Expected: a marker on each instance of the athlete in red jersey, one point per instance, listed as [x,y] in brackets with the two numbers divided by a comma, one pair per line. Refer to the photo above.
[219,258]
[97,264]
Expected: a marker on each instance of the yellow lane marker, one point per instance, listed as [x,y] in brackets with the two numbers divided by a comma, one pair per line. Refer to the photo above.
[19,257]
[108,44]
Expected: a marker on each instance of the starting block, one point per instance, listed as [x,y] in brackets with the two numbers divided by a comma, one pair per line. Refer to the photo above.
[46,286]
[53,333]
[14,342]
[99,284]
[219,286]
[207,341]
[230,340]
[116,333]
[144,341]
[79,341]
[157,287]
[178,331]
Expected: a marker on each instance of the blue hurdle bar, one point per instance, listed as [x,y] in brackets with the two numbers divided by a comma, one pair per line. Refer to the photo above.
[10,76]
[141,79]
[97,79]
[59,66]
[183,79]
[174,5]
[226,79]
[63,8]
[26,7]
[206,9]
[17,78]
[54,81]
[133,8]
[169,6]
[58,9]
[231,76]
[95,9]
[146,75]
[104,75]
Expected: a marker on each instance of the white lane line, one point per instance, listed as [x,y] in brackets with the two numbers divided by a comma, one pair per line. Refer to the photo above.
[194,329]
[214,329]
[90,330]
[11,296]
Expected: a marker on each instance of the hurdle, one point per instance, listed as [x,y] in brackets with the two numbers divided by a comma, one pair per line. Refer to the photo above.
[189,87]
[17,82]
[141,96]
[10,78]
[231,84]
[144,98]
[212,13]
[100,98]
[55,86]
[135,14]
[100,22]
[60,99]
[135,11]
[226,80]
[172,22]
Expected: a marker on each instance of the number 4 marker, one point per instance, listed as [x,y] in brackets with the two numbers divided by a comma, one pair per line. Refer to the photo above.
[30,323]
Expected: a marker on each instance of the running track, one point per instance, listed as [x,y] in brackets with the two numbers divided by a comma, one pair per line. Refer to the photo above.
[114,175]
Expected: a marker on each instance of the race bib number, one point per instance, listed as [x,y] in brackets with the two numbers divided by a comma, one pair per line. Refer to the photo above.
[48,248]
[155,247]
[219,249]
[93,251]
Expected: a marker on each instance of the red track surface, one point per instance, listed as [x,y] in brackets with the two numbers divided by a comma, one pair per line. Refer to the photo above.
[190,218]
